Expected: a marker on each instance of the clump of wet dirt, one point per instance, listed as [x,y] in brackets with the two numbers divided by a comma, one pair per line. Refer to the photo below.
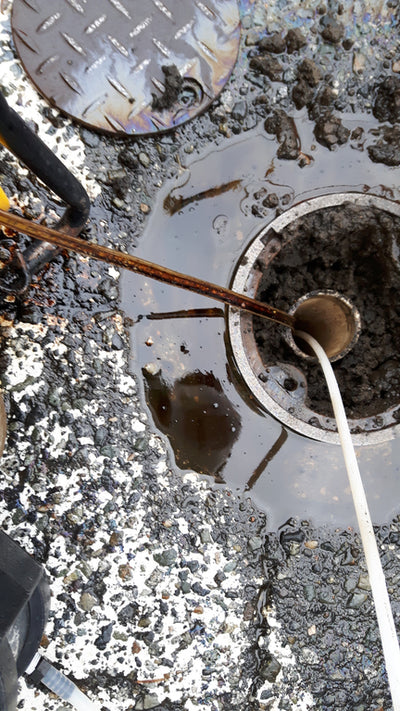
[387,148]
[283,126]
[353,250]
[330,132]
[173,86]
[387,100]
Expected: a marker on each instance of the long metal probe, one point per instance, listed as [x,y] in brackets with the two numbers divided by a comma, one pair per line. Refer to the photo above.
[142,266]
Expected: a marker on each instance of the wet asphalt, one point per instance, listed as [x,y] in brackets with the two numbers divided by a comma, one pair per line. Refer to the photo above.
[169,592]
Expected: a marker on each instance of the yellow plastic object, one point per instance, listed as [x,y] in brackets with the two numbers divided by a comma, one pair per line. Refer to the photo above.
[4,202]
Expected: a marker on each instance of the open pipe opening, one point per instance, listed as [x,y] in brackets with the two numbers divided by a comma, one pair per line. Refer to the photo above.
[331,319]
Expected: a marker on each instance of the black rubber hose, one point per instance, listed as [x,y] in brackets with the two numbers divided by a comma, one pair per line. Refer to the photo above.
[33,152]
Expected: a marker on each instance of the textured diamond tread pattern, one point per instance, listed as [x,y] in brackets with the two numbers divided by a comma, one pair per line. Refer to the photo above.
[100,61]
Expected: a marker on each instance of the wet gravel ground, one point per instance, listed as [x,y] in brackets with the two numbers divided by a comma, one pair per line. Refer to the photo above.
[169,593]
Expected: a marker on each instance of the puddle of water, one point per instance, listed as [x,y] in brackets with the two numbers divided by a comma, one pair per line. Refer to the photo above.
[202,224]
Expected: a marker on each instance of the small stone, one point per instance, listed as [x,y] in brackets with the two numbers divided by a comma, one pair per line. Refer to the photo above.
[309,592]
[125,571]
[310,656]
[114,175]
[71,578]
[144,622]
[89,138]
[87,601]
[219,577]
[311,544]
[363,582]
[294,548]
[326,596]
[357,600]
[117,343]
[283,126]
[249,611]
[150,701]
[116,538]
[350,584]
[229,567]
[144,159]
[166,558]
[152,368]
[144,208]
[129,612]
[255,543]
[74,516]
[199,590]
[252,37]
[270,669]
[347,43]
[193,565]
[118,203]
[100,436]
[205,536]
[121,636]
[239,110]
[103,639]
[85,568]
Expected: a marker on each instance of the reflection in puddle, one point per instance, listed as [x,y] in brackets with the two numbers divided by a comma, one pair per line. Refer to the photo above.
[197,417]
[179,345]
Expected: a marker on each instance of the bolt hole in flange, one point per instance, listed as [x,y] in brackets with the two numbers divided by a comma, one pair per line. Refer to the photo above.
[345,239]
[191,94]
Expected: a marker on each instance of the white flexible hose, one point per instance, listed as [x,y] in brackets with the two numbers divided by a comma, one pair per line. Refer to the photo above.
[59,684]
[377,580]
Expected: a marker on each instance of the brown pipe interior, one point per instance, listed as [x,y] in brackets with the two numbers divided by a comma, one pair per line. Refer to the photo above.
[330,320]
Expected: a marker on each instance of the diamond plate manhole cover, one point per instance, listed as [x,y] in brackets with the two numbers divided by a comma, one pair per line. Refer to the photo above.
[128,66]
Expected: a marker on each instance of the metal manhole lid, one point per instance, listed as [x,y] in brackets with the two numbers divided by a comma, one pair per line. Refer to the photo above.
[101,61]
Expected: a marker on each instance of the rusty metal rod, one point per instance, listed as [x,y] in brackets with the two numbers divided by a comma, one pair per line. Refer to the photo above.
[142,266]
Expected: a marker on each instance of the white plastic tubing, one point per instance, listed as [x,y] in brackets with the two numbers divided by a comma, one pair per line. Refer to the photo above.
[67,690]
[377,580]
[59,684]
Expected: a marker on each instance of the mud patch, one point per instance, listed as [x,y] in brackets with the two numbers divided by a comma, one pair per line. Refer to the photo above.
[353,250]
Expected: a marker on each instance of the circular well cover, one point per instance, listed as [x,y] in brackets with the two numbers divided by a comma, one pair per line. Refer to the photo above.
[101,61]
